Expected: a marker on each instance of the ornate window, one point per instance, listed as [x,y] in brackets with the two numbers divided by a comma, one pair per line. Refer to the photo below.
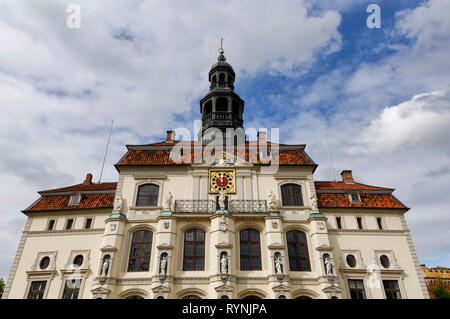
[147,195]
[384,260]
[351,261]
[298,251]
[391,289]
[291,195]
[356,289]
[141,245]
[37,290]
[250,249]
[194,250]
[78,260]
[44,263]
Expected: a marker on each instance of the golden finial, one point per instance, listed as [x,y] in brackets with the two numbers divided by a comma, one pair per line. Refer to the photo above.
[221,51]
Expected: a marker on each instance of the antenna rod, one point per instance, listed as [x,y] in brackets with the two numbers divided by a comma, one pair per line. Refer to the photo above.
[328,151]
[106,151]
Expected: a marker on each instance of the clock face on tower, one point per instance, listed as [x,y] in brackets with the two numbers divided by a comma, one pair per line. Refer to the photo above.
[221,180]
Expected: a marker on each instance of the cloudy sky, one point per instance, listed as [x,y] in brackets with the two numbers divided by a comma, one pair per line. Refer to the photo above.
[384,94]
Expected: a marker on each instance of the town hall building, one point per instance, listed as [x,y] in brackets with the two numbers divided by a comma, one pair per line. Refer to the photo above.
[217,218]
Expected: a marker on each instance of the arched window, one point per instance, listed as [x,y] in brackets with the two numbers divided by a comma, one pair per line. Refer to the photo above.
[147,195]
[141,245]
[303,297]
[194,250]
[250,249]
[208,108]
[222,77]
[252,297]
[134,297]
[291,195]
[222,104]
[298,251]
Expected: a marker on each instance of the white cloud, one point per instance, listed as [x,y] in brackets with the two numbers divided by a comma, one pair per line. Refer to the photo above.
[142,64]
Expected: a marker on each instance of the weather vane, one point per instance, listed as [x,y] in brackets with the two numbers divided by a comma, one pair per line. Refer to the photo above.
[221,51]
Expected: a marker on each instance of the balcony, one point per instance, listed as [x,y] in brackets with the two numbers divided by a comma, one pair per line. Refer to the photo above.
[210,206]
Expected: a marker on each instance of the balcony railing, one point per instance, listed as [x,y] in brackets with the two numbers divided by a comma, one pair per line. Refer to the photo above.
[210,206]
[247,206]
[195,206]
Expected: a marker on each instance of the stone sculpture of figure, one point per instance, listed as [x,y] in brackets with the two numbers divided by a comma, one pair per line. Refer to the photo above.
[222,200]
[272,201]
[163,266]
[328,266]
[169,201]
[278,265]
[118,203]
[223,264]
[313,201]
[105,267]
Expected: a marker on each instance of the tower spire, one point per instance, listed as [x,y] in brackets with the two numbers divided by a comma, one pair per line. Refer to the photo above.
[221,51]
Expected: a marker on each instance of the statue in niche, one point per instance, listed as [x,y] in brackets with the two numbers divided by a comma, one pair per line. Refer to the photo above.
[222,200]
[278,265]
[105,266]
[169,198]
[163,265]
[118,203]
[272,201]
[328,265]
[224,264]
[313,201]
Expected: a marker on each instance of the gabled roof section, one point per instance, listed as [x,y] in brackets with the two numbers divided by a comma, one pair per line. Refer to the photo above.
[158,154]
[100,195]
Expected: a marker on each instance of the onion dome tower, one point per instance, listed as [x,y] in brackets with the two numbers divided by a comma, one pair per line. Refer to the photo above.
[221,108]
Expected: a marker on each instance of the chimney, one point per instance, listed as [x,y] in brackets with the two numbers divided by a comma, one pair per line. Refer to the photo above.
[170,137]
[347,177]
[88,180]
[262,137]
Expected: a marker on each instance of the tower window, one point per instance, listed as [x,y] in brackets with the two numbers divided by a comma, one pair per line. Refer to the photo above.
[208,108]
[222,104]
[235,107]
[222,77]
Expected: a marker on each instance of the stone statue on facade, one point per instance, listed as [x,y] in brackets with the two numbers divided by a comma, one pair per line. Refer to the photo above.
[278,265]
[118,203]
[223,264]
[328,266]
[272,201]
[222,200]
[163,266]
[105,267]
[168,203]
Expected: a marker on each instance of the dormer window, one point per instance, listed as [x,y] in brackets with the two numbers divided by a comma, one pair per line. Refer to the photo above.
[75,199]
[354,198]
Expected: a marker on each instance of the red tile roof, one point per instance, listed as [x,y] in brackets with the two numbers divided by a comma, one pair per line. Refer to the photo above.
[325,185]
[61,202]
[162,157]
[335,200]
[82,188]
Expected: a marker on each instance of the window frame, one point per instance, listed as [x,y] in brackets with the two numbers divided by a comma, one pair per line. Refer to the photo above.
[70,221]
[250,255]
[194,256]
[91,222]
[140,256]
[50,221]
[282,196]
[356,288]
[297,256]
[30,288]
[338,222]
[71,290]
[391,291]
[157,202]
